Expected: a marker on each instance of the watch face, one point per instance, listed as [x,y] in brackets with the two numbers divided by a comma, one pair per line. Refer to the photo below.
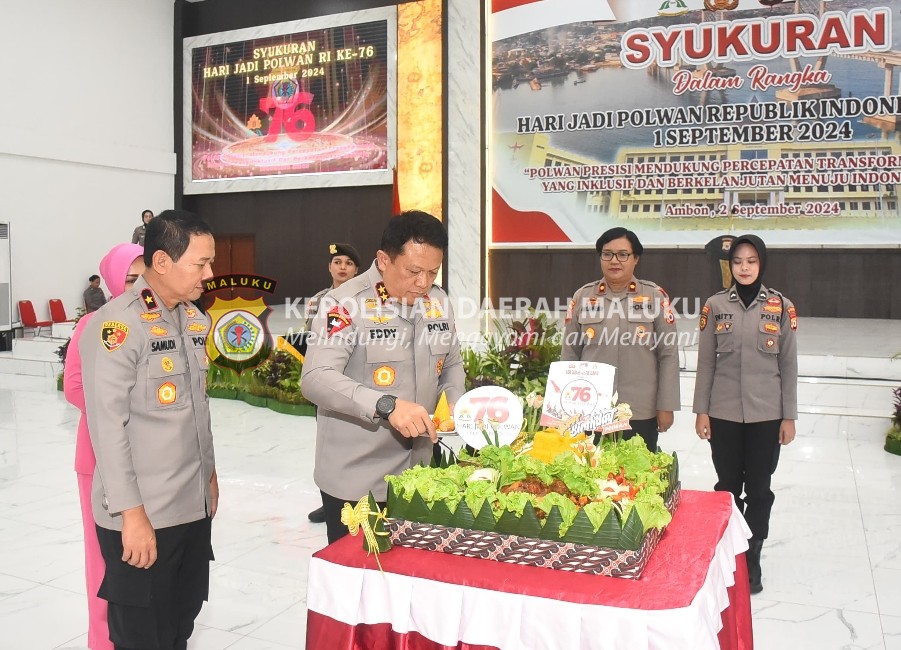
[385,405]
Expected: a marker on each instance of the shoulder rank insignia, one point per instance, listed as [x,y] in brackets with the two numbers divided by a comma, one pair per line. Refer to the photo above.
[337,320]
[113,334]
[148,300]
[382,292]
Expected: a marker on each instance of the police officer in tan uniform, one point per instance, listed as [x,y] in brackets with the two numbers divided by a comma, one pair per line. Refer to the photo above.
[137,237]
[155,488]
[383,348]
[344,263]
[746,389]
[628,323]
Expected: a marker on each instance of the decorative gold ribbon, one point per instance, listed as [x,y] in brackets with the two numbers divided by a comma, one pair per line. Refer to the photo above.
[356,518]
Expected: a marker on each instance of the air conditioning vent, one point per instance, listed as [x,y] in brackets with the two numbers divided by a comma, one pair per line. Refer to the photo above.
[6,302]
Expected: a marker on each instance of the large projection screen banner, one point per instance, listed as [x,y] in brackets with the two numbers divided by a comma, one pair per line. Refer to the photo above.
[687,119]
[301,104]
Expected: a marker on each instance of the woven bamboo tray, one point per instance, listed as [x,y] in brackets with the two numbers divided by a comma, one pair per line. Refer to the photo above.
[514,549]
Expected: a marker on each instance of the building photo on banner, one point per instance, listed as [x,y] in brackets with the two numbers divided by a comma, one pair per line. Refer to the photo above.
[778,117]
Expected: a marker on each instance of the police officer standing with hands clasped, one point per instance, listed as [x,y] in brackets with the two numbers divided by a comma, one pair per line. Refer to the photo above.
[155,490]
[383,348]
[746,388]
[628,323]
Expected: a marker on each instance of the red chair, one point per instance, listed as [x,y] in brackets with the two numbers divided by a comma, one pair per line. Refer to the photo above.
[29,319]
[58,312]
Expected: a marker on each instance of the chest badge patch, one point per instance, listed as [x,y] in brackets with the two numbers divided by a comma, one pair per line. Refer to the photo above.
[167,364]
[113,334]
[156,330]
[383,376]
[166,393]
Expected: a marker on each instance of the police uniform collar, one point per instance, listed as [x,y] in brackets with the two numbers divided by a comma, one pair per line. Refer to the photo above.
[603,287]
[761,295]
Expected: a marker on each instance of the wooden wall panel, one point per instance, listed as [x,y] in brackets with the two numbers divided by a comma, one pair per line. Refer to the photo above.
[841,283]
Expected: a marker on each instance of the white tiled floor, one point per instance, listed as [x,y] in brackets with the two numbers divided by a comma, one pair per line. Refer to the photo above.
[832,566]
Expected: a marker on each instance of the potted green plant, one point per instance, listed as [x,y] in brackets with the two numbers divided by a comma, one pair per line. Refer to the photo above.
[221,382]
[278,380]
[516,356]
[893,437]
[62,350]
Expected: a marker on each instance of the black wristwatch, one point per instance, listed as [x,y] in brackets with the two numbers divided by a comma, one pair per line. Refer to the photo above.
[385,406]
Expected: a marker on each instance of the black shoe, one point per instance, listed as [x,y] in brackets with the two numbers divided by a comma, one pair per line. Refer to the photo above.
[318,515]
[755,574]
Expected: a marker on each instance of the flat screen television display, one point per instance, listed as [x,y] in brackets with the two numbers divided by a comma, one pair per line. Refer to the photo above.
[307,103]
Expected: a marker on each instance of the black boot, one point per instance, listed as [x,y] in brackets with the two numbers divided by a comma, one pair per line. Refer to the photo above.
[318,515]
[755,575]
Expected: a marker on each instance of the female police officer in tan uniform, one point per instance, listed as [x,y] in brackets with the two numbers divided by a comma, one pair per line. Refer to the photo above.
[746,388]
[343,265]
[628,323]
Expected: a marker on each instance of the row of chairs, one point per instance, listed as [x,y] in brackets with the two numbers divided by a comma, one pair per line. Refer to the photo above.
[30,320]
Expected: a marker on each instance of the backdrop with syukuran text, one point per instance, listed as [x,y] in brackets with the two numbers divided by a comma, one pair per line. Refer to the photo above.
[685,119]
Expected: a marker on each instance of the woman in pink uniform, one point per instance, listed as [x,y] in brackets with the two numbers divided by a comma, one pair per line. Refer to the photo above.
[120,268]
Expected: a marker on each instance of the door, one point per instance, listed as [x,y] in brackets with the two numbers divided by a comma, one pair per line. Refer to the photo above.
[235,254]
